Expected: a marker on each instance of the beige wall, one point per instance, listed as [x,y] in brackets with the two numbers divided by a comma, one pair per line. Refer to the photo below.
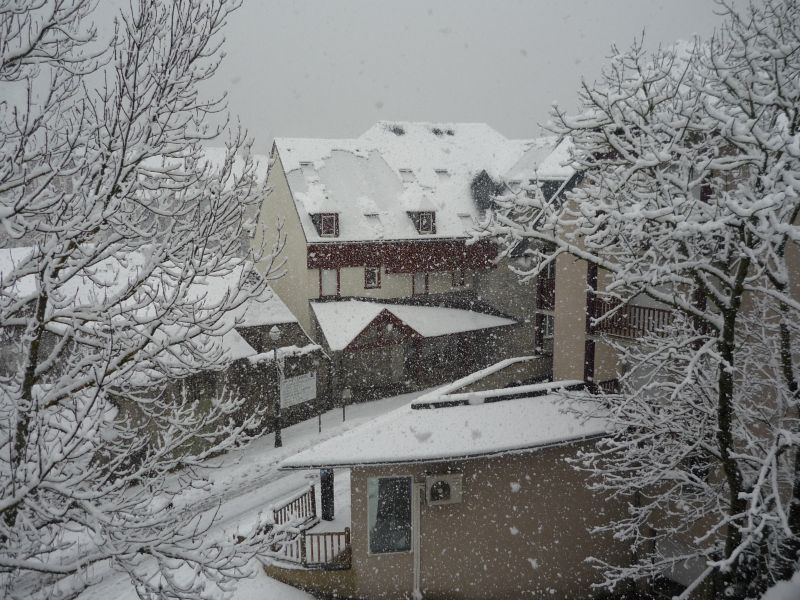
[394,285]
[570,318]
[498,543]
[298,284]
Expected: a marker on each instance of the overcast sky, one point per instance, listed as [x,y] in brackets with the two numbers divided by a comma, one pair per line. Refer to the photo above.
[331,68]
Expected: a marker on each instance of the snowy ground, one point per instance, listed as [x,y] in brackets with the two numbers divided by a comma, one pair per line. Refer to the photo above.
[247,482]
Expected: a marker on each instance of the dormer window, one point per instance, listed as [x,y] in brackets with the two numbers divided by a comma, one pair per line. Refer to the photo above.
[424,221]
[442,174]
[327,224]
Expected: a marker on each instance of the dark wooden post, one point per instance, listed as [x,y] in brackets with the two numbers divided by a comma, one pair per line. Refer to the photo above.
[303,548]
[313,502]
[326,493]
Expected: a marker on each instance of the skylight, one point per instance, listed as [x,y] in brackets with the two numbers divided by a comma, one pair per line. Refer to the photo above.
[407,175]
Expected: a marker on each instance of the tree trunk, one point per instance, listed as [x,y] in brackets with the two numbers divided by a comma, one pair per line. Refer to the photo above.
[25,410]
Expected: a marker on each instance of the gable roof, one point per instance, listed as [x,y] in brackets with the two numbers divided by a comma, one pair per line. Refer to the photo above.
[342,321]
[374,180]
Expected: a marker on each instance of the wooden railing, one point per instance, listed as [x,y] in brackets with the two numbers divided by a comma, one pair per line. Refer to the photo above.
[630,321]
[302,506]
[324,550]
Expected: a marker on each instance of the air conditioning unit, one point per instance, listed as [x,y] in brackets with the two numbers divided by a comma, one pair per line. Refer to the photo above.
[443,489]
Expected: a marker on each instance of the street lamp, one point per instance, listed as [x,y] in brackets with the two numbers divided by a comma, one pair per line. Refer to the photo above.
[275,335]
[347,395]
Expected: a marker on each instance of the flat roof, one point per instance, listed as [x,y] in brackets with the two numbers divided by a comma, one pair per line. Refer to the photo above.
[409,435]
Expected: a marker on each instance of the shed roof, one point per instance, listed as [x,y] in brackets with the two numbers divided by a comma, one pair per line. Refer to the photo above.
[409,435]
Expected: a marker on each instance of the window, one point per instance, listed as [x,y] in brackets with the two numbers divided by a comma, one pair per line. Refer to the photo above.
[328,282]
[544,334]
[547,326]
[458,278]
[426,223]
[442,175]
[419,284]
[389,514]
[372,278]
[329,224]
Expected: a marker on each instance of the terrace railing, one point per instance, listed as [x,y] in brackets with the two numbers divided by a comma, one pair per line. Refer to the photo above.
[629,321]
[301,506]
[328,550]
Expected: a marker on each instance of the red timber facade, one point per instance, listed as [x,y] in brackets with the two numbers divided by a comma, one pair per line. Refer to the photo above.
[404,256]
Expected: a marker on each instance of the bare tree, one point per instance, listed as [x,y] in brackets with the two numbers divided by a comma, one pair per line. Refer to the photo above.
[690,197]
[115,223]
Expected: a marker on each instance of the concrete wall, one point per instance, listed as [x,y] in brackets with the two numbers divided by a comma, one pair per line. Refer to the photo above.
[498,543]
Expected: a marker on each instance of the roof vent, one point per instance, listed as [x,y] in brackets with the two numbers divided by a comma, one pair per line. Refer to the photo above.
[396,129]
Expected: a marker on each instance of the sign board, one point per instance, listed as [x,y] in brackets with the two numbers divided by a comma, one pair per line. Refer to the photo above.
[295,390]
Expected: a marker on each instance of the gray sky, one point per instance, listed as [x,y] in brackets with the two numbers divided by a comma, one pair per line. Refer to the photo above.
[331,68]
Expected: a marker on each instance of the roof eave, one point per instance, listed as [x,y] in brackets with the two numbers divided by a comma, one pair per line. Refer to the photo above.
[521,450]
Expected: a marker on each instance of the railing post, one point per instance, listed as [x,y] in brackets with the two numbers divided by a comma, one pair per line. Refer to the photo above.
[303,548]
[346,537]
[313,503]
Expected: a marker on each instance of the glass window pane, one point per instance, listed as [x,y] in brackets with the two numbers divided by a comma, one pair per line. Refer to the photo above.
[389,514]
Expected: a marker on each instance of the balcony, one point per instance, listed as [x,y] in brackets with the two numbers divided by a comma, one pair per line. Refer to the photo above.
[629,321]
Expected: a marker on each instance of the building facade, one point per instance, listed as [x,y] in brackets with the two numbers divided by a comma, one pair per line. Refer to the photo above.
[383,267]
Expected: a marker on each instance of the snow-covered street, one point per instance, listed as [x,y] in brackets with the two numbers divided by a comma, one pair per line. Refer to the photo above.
[247,482]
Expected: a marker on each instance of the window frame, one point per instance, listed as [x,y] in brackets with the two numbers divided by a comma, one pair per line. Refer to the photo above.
[338,283]
[414,290]
[429,215]
[329,218]
[459,278]
[410,512]
[377,271]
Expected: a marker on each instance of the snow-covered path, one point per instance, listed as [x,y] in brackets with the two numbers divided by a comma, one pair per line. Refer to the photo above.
[246,482]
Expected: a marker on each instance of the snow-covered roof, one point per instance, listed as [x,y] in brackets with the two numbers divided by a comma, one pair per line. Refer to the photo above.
[235,346]
[342,321]
[373,181]
[417,435]
[111,275]
[543,160]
